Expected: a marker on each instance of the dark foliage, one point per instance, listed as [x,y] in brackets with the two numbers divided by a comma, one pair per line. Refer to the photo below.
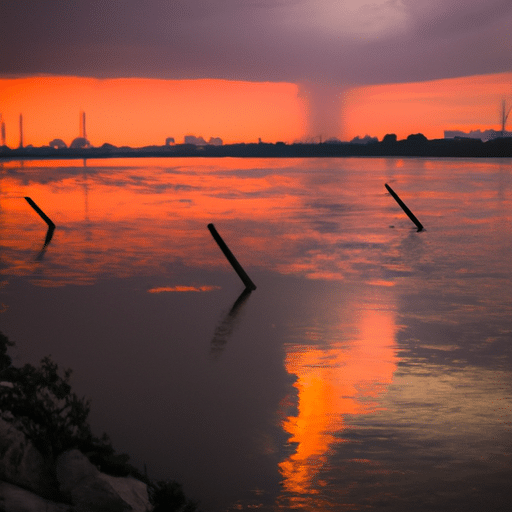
[417,138]
[168,496]
[414,145]
[389,138]
[5,360]
[40,403]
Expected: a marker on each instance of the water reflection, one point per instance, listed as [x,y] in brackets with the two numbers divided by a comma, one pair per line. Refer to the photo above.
[151,212]
[227,324]
[371,367]
[47,240]
[334,380]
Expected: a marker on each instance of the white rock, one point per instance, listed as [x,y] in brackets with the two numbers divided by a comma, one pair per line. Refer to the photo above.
[73,468]
[93,491]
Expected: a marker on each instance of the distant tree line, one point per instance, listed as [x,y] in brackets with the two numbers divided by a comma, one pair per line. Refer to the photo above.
[414,145]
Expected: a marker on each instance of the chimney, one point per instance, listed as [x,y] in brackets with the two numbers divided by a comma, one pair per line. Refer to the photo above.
[2,130]
[21,130]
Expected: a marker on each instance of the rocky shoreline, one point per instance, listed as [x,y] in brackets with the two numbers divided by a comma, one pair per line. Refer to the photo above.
[26,484]
[50,461]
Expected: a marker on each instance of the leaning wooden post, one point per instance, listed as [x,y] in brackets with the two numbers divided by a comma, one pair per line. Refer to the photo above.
[51,225]
[229,255]
[404,207]
[48,221]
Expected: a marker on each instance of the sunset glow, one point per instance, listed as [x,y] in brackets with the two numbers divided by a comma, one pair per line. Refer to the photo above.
[366,363]
[467,103]
[334,381]
[181,289]
[166,203]
[140,112]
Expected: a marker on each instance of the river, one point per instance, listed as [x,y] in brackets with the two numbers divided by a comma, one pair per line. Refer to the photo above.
[369,370]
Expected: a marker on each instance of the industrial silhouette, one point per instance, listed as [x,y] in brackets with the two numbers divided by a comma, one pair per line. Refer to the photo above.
[21,131]
[82,125]
[81,141]
[2,130]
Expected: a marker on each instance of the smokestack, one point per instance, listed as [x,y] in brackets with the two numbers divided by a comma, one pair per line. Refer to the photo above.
[21,130]
[2,130]
[81,125]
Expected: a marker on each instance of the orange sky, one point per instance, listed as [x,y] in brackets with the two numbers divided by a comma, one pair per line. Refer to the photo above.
[138,112]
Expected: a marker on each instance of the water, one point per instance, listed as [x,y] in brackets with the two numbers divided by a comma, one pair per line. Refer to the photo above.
[371,369]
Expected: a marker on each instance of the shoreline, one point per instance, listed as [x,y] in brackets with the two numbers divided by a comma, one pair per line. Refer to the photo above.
[413,146]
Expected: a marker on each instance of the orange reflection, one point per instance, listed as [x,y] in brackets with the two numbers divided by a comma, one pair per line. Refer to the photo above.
[334,381]
[323,219]
[113,215]
[181,289]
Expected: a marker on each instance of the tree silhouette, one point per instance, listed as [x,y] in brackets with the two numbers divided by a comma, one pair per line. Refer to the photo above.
[38,401]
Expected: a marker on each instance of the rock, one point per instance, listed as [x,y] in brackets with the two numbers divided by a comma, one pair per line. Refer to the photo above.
[92,491]
[16,499]
[21,463]
[73,468]
[26,481]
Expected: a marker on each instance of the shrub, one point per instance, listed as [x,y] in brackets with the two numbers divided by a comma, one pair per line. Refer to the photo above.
[168,496]
[40,403]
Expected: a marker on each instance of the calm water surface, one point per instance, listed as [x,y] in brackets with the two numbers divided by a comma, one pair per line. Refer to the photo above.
[370,370]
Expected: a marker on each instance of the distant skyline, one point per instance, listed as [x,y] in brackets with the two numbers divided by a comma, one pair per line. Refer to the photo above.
[311,68]
[238,111]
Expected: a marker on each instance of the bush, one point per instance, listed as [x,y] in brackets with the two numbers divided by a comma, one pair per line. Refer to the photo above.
[5,360]
[168,496]
[39,402]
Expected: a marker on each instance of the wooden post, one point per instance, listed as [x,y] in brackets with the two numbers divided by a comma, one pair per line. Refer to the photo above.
[230,257]
[404,207]
[41,213]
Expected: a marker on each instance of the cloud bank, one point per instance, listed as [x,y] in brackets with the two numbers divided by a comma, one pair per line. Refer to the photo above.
[324,46]
[327,41]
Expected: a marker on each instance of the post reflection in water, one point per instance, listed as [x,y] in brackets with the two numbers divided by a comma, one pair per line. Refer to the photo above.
[372,367]
[227,324]
[47,240]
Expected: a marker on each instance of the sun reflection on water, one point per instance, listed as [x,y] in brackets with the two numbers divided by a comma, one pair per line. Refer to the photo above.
[332,381]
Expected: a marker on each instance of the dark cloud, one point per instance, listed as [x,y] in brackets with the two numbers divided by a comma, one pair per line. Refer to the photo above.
[327,41]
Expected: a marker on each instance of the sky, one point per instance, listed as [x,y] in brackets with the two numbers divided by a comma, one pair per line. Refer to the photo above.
[275,69]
